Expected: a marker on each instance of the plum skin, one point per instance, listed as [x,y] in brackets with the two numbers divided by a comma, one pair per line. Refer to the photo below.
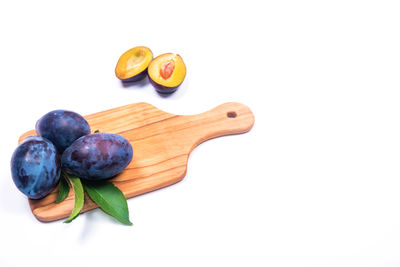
[138,77]
[35,167]
[62,127]
[163,89]
[97,156]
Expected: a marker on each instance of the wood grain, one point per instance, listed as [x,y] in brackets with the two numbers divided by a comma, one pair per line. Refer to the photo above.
[161,142]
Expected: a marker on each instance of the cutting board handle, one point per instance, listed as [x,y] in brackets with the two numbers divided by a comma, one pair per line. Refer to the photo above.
[225,119]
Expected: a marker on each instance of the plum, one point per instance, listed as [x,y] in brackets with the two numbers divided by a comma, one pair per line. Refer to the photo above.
[97,156]
[167,72]
[62,127]
[35,167]
[132,65]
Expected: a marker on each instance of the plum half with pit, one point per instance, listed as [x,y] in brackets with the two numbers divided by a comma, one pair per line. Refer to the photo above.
[132,65]
[167,72]
[62,128]
[35,167]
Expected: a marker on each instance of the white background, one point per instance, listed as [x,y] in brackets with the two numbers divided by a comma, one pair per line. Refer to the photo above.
[316,182]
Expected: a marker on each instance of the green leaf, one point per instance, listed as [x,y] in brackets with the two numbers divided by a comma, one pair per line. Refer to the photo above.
[97,131]
[79,197]
[110,199]
[63,188]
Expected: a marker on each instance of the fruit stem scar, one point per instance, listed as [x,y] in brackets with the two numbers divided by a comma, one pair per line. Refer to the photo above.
[167,69]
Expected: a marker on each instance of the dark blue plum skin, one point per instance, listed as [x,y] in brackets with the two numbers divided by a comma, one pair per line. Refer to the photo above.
[62,127]
[97,156]
[35,167]
[163,89]
[138,77]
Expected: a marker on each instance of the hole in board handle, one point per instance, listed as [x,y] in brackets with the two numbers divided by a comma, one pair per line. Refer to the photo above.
[231,114]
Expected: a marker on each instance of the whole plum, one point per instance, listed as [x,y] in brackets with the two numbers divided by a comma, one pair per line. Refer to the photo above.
[35,167]
[97,156]
[62,127]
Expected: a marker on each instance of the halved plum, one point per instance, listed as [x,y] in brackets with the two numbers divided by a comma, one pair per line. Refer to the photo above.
[167,72]
[132,65]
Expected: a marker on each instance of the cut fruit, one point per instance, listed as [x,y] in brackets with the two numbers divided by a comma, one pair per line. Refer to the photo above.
[167,72]
[132,65]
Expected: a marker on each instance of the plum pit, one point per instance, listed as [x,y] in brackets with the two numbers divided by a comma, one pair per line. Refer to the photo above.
[166,69]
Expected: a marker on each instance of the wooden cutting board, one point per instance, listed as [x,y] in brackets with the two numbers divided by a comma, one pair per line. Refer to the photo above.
[161,143]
